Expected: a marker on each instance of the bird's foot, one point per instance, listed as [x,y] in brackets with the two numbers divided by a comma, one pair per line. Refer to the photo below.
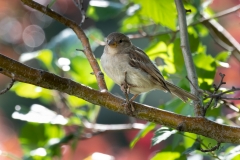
[125,86]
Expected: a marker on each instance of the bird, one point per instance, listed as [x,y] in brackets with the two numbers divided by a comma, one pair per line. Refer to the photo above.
[131,68]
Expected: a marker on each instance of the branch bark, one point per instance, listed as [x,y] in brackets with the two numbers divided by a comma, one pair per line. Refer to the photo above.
[197,125]
[191,71]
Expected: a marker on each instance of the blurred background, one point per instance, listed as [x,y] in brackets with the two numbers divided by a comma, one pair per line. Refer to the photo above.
[25,31]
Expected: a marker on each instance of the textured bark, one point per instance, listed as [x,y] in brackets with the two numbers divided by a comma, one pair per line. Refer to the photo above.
[197,125]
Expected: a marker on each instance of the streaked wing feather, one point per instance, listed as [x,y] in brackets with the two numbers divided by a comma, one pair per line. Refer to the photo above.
[139,60]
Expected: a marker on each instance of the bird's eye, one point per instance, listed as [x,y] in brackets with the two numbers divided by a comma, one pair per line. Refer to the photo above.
[120,41]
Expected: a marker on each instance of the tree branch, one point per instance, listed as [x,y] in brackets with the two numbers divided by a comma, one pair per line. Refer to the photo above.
[197,125]
[81,35]
[191,71]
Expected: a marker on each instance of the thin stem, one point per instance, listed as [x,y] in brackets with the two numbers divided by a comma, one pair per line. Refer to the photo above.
[8,88]
[191,71]
[217,15]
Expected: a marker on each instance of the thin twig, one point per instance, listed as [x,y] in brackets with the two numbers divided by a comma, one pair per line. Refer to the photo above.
[79,4]
[228,91]
[198,139]
[81,35]
[217,15]
[192,74]
[216,88]
[214,148]
[114,127]
[9,86]
[230,98]
[191,83]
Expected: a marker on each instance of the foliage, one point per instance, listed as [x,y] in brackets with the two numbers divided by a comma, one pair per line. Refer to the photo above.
[59,56]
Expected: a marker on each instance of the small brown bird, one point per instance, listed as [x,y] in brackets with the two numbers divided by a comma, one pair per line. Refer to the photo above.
[129,67]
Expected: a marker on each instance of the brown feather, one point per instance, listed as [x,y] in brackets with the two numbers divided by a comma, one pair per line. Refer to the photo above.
[139,60]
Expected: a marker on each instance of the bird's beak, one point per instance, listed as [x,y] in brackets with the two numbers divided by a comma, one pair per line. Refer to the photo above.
[112,43]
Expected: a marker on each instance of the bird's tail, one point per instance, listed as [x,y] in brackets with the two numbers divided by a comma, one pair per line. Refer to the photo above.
[180,93]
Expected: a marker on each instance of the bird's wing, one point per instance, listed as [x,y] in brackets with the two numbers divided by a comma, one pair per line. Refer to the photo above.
[139,60]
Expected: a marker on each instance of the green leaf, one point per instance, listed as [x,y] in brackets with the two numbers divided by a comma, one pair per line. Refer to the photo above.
[31,91]
[202,30]
[222,56]
[177,106]
[81,71]
[177,138]
[189,139]
[46,57]
[206,68]
[130,24]
[149,126]
[157,49]
[167,155]
[204,61]
[175,57]
[100,9]
[161,12]
[34,135]
[193,39]
[75,101]
[162,134]
[194,147]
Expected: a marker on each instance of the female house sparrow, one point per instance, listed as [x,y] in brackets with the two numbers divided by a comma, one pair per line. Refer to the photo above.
[129,67]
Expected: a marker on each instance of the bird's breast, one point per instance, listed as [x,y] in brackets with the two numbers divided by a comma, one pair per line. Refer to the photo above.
[115,67]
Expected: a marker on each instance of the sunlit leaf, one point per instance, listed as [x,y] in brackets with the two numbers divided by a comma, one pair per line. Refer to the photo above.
[157,49]
[206,68]
[75,101]
[161,134]
[149,126]
[202,30]
[190,16]
[46,57]
[204,61]
[162,12]
[222,56]
[189,139]
[31,91]
[81,71]
[167,155]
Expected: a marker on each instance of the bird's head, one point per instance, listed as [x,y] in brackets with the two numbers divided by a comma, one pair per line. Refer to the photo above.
[117,42]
